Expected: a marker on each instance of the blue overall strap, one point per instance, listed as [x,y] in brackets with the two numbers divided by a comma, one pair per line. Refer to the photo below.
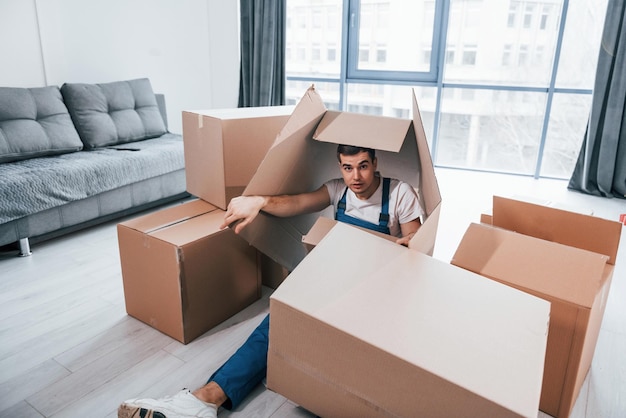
[383,219]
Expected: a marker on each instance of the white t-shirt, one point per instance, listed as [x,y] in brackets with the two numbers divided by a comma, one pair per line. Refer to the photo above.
[404,204]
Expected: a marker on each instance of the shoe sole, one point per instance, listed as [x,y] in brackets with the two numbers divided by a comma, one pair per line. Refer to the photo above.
[127,411]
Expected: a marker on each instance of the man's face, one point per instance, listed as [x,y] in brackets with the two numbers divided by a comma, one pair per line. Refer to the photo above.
[358,173]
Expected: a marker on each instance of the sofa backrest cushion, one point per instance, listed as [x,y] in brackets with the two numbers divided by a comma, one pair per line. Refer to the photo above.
[34,122]
[113,113]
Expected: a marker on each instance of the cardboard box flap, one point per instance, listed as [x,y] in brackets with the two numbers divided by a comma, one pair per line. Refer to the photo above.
[323,225]
[195,228]
[428,187]
[362,130]
[425,237]
[549,268]
[176,214]
[198,130]
[275,174]
[318,231]
[309,111]
[393,139]
[443,319]
[574,229]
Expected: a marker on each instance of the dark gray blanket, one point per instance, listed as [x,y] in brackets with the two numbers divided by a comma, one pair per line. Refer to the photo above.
[34,185]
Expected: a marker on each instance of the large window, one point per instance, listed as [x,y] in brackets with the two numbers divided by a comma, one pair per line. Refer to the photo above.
[502,85]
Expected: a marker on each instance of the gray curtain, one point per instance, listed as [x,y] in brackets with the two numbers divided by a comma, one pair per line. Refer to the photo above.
[262,74]
[601,166]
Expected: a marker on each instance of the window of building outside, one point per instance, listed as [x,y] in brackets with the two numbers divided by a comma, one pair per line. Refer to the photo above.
[502,85]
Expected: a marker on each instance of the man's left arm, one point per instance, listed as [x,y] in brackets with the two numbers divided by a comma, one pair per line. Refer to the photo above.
[408,230]
[409,208]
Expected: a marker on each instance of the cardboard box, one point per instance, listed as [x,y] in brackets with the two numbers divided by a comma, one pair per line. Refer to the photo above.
[389,331]
[303,157]
[563,257]
[224,147]
[182,275]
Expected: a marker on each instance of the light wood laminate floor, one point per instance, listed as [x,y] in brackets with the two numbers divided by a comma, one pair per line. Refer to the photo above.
[68,349]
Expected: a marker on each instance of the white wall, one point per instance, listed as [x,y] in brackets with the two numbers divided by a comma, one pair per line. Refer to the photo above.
[20,53]
[188,48]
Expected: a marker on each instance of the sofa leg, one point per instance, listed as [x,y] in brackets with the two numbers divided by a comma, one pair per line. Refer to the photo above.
[24,248]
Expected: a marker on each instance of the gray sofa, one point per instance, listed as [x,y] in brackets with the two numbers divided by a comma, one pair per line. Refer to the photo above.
[82,154]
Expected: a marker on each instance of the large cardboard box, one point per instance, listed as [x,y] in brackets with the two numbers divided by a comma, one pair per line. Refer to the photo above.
[563,257]
[364,327]
[303,157]
[224,147]
[182,274]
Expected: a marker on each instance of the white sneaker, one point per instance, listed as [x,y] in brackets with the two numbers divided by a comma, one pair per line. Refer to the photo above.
[181,405]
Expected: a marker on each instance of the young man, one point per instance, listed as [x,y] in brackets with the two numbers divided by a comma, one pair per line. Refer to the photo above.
[361,197]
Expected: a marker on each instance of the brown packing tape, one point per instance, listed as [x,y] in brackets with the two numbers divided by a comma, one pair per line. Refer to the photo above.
[172,223]
[175,214]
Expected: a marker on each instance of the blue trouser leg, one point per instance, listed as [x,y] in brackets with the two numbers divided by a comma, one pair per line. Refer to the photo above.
[246,368]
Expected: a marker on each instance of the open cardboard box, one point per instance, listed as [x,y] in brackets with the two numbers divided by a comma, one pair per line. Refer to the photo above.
[224,147]
[303,157]
[563,257]
[366,327]
[183,275]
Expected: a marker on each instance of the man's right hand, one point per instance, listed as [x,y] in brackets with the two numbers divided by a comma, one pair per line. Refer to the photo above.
[244,209]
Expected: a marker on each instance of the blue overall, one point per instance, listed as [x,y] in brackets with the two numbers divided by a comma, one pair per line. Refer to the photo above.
[248,366]
[383,219]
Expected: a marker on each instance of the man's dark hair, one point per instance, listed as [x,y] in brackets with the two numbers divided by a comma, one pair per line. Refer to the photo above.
[352,150]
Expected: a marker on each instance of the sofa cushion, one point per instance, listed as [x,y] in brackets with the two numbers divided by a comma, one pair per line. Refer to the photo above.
[31,186]
[113,113]
[34,122]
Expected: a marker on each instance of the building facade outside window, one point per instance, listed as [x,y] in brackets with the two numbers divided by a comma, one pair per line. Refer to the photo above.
[502,86]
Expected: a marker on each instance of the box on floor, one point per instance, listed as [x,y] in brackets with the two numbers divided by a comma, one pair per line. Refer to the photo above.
[563,257]
[399,333]
[224,147]
[183,275]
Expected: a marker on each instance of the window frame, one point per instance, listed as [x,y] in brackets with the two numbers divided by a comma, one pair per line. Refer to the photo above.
[352,10]
[350,74]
